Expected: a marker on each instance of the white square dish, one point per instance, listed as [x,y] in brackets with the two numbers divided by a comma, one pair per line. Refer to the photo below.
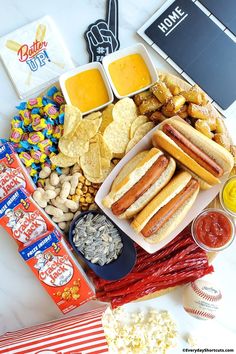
[135,49]
[203,199]
[73,72]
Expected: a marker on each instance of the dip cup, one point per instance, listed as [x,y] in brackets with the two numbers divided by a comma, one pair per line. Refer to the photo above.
[80,69]
[135,49]
[116,269]
[202,245]
[222,202]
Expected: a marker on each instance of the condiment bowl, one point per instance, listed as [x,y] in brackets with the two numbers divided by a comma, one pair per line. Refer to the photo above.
[138,48]
[196,237]
[95,65]
[119,267]
[222,201]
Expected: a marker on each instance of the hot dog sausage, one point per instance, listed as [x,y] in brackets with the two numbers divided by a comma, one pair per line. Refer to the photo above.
[141,186]
[168,210]
[193,151]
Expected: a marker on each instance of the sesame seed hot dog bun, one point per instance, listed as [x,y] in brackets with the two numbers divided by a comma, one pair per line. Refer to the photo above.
[138,182]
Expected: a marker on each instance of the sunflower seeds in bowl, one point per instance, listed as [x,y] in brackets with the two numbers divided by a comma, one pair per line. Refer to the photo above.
[97,238]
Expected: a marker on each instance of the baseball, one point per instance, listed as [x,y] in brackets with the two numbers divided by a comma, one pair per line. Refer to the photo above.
[202,299]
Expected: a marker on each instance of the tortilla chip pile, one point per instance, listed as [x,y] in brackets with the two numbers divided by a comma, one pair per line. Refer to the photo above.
[93,141]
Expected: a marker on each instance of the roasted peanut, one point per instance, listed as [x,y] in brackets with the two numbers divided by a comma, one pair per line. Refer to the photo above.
[54,179]
[64,217]
[45,172]
[50,194]
[65,190]
[54,211]
[38,196]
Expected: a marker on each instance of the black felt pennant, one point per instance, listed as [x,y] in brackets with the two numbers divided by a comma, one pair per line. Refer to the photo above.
[102,36]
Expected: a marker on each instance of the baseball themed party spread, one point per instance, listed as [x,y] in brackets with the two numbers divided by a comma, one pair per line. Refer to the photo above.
[117,177]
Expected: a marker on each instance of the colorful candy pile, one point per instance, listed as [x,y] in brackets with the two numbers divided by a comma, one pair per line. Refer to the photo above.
[36,129]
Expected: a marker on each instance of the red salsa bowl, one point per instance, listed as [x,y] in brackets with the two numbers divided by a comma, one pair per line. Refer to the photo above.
[213,230]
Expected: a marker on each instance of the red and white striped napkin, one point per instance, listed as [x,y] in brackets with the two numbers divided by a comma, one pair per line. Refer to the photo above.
[80,334]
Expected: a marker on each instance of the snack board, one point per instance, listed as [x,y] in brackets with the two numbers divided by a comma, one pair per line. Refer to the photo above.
[89,147]
[203,199]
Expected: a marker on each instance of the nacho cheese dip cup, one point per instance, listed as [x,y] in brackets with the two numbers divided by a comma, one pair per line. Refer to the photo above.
[130,70]
[87,87]
[228,196]
[213,230]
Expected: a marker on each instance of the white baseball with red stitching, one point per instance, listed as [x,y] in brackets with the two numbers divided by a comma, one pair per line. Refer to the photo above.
[202,299]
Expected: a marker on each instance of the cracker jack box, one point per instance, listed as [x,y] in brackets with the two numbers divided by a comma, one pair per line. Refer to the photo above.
[82,333]
[12,173]
[22,218]
[58,271]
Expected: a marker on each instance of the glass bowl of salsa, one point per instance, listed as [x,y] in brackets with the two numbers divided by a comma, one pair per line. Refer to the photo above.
[213,230]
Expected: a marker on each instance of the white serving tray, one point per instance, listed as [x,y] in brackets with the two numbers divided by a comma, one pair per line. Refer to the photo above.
[202,200]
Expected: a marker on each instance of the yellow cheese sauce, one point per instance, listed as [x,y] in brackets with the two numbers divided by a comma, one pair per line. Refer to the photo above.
[129,74]
[229,195]
[87,90]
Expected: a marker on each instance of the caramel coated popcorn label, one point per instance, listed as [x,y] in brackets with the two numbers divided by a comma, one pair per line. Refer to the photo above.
[22,218]
[12,173]
[52,263]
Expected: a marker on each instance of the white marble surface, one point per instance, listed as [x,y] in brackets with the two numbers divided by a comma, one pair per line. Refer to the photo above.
[22,300]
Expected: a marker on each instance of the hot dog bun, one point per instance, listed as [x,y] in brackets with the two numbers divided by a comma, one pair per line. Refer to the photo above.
[214,151]
[136,171]
[176,186]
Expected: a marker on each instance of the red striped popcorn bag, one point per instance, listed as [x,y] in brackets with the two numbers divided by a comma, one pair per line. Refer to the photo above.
[80,334]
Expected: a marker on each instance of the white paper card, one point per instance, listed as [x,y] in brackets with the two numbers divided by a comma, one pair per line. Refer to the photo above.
[34,56]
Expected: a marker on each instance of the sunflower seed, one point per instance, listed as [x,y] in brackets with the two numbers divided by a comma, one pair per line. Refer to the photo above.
[97,239]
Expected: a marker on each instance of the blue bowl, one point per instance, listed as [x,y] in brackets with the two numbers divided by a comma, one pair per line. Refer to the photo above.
[118,268]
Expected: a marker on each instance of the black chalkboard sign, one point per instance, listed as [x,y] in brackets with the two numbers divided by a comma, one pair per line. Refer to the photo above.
[224,11]
[102,36]
[198,46]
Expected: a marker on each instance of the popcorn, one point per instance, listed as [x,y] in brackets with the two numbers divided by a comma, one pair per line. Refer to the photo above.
[192,341]
[150,332]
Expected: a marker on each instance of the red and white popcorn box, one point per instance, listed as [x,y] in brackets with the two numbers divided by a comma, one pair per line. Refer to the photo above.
[80,334]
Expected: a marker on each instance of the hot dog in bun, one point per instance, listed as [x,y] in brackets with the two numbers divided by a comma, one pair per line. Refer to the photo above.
[166,211]
[204,157]
[138,182]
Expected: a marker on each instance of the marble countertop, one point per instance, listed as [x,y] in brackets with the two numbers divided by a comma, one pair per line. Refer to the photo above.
[23,302]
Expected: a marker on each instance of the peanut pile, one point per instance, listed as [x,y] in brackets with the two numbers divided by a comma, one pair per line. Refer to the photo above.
[64,196]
